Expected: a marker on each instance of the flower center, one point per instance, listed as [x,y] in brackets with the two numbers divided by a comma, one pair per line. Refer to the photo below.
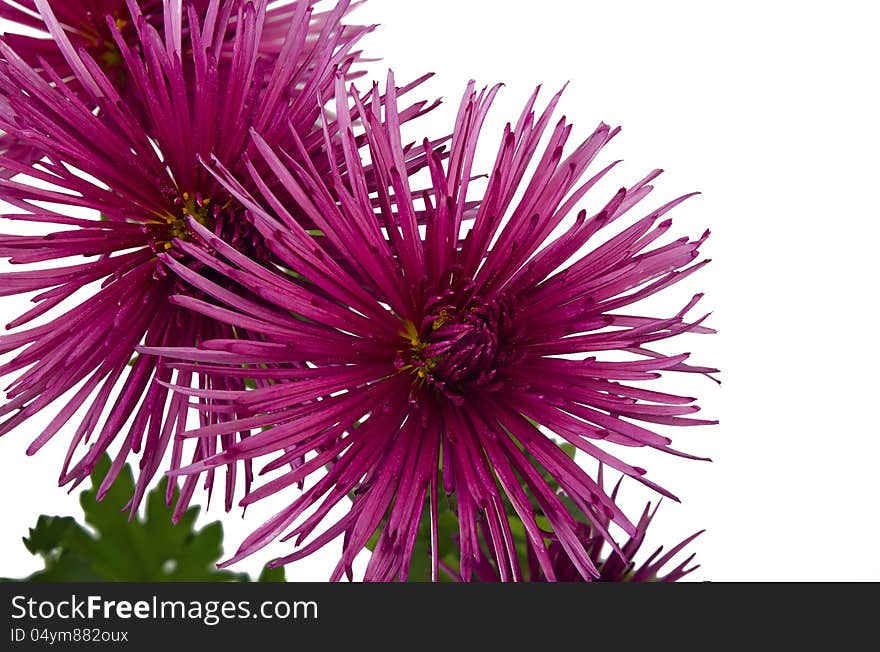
[457,348]
[188,204]
[226,219]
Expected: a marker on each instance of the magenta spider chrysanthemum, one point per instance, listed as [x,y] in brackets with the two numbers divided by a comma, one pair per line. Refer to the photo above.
[431,359]
[86,25]
[135,160]
[613,565]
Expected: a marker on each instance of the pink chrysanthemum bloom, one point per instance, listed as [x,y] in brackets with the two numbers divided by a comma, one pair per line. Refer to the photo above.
[430,358]
[136,162]
[613,565]
[86,25]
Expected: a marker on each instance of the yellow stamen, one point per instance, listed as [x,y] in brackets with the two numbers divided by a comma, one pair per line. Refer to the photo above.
[177,227]
[423,366]
[411,334]
[441,320]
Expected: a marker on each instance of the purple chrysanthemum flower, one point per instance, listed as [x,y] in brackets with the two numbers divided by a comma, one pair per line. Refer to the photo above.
[86,24]
[431,359]
[613,565]
[135,161]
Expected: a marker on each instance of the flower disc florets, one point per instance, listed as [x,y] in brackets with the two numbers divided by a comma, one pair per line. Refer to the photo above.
[459,345]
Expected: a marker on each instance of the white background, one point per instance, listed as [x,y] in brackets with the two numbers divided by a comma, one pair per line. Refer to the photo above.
[771,110]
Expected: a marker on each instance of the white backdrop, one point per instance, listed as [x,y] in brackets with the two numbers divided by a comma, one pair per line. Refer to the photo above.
[769,109]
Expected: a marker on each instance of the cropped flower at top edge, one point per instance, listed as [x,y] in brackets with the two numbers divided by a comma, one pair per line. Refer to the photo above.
[416,366]
[86,25]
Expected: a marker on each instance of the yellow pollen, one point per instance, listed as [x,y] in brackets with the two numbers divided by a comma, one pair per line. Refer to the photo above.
[177,227]
[417,346]
[441,319]
[410,333]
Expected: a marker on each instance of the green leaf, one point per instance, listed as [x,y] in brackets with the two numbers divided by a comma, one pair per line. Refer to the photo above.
[65,547]
[44,536]
[123,547]
[568,449]
[272,575]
